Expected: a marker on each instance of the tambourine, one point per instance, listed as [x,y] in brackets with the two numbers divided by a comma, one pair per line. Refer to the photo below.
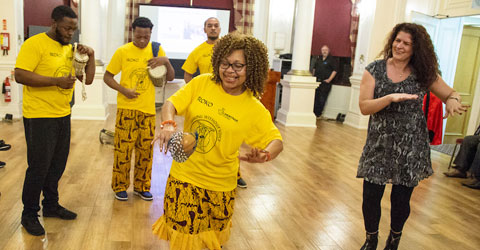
[181,145]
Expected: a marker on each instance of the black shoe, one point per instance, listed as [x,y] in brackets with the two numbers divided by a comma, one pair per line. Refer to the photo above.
[393,241]
[456,174]
[2,164]
[59,212]
[371,242]
[4,146]
[32,225]
[241,183]
[474,184]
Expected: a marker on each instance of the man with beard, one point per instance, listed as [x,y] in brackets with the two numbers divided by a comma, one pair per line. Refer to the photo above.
[44,66]
[201,55]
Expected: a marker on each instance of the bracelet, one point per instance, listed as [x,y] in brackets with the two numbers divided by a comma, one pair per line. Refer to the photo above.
[171,122]
[453,97]
[269,157]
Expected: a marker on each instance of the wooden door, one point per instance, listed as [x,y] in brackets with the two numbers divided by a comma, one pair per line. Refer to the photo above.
[465,81]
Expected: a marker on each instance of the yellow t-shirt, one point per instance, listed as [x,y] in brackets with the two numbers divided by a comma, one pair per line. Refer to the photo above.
[223,122]
[44,56]
[201,57]
[132,62]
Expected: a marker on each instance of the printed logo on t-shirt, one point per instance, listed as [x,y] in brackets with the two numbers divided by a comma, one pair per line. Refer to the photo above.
[205,101]
[228,116]
[137,77]
[55,54]
[209,133]
[63,71]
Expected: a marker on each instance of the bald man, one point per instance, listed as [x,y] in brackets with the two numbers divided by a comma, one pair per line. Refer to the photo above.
[201,55]
[325,70]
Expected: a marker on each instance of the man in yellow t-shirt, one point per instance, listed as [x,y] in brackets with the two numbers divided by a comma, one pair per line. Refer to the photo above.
[44,67]
[201,56]
[135,121]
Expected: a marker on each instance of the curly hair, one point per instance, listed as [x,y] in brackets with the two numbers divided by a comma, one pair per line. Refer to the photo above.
[142,22]
[256,59]
[61,11]
[424,61]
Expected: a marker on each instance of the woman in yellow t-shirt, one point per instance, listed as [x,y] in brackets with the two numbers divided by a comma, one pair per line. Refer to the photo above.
[223,108]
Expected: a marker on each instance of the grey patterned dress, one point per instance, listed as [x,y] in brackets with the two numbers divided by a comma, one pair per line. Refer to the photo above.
[397,150]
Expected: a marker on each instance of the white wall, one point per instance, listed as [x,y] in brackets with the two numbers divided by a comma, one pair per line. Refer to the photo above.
[280,19]
[12,11]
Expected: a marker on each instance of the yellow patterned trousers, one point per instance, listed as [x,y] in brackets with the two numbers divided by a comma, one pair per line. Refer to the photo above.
[133,130]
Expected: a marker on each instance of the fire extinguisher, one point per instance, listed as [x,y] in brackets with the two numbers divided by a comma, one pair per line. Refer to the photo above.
[7,90]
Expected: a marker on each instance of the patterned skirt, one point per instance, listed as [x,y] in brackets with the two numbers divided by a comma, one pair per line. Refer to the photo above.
[193,217]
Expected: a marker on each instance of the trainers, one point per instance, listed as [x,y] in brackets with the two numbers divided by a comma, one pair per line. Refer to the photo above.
[59,212]
[241,183]
[144,195]
[32,225]
[121,196]
[2,164]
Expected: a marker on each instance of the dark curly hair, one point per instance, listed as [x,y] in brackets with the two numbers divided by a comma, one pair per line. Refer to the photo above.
[142,22]
[61,11]
[424,61]
[256,59]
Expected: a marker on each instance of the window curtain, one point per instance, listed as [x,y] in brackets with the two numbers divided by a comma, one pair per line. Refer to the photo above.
[131,12]
[355,18]
[243,15]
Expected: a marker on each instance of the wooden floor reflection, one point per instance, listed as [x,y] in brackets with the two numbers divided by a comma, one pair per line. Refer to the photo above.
[307,198]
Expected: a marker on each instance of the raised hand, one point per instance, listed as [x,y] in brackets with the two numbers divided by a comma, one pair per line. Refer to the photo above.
[453,106]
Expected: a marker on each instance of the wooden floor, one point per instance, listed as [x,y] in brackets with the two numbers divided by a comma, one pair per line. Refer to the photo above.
[307,198]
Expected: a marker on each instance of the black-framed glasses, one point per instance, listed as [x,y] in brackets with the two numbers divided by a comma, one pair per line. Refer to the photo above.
[235,66]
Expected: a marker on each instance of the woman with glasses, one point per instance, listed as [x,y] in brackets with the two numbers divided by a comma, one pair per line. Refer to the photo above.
[223,108]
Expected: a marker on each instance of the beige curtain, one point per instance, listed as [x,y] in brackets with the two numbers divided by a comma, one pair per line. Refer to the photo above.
[131,12]
[243,15]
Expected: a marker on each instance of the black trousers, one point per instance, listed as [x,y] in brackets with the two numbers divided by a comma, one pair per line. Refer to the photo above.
[321,95]
[371,208]
[468,157]
[48,144]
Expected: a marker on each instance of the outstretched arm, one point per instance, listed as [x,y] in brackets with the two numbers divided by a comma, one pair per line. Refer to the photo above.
[269,153]
[452,100]
[369,105]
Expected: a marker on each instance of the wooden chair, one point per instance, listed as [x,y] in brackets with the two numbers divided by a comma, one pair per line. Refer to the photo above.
[268,98]
[457,142]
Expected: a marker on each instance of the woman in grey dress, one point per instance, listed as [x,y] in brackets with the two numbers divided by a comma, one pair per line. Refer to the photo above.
[397,149]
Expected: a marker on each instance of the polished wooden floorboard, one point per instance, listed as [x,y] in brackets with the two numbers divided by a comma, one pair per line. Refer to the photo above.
[307,198]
